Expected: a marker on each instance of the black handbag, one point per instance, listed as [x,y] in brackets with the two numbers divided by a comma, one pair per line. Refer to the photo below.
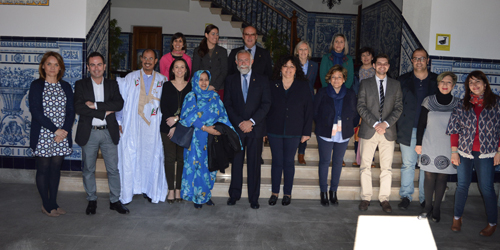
[182,136]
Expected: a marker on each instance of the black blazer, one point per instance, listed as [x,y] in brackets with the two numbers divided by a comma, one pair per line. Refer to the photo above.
[293,110]
[113,101]
[262,63]
[38,119]
[312,74]
[256,107]
[324,114]
[405,121]
[216,64]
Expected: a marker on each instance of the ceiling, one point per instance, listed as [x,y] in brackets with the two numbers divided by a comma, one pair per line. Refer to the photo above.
[182,5]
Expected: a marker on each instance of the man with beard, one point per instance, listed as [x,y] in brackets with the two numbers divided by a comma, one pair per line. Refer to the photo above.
[247,101]
[96,101]
[140,150]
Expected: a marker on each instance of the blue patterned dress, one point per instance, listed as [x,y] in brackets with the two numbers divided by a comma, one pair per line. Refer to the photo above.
[200,107]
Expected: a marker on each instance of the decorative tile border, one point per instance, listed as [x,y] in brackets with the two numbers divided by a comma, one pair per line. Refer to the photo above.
[409,42]
[25,2]
[98,35]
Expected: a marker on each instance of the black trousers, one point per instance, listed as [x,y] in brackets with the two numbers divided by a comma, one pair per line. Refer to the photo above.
[253,148]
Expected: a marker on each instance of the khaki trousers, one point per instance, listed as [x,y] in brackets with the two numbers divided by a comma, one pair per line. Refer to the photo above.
[386,153]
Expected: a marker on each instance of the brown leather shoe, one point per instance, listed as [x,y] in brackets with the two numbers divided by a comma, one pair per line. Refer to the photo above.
[355,164]
[301,159]
[343,164]
[373,165]
[488,230]
[363,206]
[457,225]
[61,211]
[386,207]
[53,212]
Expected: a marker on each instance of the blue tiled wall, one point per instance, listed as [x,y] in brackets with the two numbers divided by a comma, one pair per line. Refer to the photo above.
[19,60]
[381,29]
[463,66]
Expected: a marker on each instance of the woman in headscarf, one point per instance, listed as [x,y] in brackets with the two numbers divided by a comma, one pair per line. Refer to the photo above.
[201,109]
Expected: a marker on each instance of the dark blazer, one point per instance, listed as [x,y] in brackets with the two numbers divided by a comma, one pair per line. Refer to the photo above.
[293,109]
[113,101]
[405,121]
[217,65]
[312,74]
[368,107]
[256,107]
[38,119]
[262,63]
[324,114]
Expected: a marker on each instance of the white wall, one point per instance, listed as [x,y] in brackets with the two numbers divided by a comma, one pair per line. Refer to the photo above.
[94,8]
[59,19]
[345,7]
[473,25]
[172,21]
[418,15]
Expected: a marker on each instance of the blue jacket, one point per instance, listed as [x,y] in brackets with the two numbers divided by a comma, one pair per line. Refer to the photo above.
[324,114]
[38,119]
[291,113]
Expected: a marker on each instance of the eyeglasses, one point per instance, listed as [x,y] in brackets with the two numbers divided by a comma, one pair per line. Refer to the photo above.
[419,59]
[148,59]
[248,34]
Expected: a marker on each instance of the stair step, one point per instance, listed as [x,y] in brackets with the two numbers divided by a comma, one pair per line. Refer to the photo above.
[225,17]
[236,24]
[206,4]
[215,11]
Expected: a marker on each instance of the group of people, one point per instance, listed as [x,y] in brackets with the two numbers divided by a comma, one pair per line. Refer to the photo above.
[133,120]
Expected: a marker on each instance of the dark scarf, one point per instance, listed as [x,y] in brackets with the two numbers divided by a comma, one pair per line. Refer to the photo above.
[476,99]
[338,99]
[338,57]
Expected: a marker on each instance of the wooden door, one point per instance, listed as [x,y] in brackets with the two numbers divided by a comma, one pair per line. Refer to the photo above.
[146,38]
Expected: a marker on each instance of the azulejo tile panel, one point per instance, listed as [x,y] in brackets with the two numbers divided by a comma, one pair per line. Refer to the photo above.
[463,66]
[97,38]
[19,60]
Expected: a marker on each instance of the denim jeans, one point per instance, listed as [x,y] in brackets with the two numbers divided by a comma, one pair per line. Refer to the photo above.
[485,176]
[410,158]
[325,154]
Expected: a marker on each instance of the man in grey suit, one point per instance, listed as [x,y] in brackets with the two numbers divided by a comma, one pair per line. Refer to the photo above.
[380,113]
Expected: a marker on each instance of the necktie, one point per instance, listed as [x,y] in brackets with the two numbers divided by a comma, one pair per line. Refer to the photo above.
[245,88]
[382,98]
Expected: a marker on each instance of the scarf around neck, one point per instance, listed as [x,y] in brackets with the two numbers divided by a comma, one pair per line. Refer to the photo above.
[338,98]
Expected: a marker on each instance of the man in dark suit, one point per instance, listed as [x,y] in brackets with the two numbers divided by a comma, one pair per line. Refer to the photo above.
[262,58]
[247,101]
[380,113]
[96,100]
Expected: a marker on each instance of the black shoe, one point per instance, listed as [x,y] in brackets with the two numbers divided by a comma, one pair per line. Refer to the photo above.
[231,202]
[210,203]
[286,200]
[254,205]
[422,216]
[333,198]
[422,204]
[324,199]
[405,202]
[119,207]
[91,207]
[198,206]
[435,218]
[273,200]
[146,197]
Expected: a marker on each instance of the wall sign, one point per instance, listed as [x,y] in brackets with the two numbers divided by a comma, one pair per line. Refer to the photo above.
[443,42]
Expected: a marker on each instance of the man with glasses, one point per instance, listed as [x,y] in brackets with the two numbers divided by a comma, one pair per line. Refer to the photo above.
[262,59]
[415,85]
[380,105]
[140,150]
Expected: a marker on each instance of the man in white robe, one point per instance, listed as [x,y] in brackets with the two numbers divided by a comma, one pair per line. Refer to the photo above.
[140,151]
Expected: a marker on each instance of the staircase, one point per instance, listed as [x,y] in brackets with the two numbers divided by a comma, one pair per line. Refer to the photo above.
[257,13]
[306,182]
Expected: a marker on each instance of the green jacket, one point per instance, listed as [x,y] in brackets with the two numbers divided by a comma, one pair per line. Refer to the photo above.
[327,63]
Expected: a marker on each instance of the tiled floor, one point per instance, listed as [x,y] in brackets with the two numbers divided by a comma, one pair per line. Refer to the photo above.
[305,224]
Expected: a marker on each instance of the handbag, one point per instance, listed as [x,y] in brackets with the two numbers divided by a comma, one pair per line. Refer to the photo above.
[183,135]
